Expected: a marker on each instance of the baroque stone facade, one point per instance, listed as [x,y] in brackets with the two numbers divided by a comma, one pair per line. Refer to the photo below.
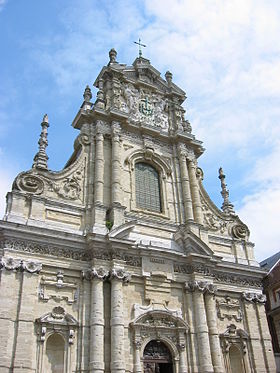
[121,262]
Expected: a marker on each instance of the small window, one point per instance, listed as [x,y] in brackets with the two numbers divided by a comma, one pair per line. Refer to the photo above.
[147,187]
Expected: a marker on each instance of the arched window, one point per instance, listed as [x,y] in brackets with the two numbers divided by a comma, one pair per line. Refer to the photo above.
[55,354]
[147,187]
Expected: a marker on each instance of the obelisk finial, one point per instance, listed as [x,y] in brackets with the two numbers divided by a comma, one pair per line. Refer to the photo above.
[227,206]
[41,158]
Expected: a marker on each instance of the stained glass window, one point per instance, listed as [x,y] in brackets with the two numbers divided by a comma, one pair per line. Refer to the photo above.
[147,187]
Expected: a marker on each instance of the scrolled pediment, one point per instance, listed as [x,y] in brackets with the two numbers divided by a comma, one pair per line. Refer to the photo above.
[159,319]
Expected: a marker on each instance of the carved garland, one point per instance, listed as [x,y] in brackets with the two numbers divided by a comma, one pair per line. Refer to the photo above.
[11,264]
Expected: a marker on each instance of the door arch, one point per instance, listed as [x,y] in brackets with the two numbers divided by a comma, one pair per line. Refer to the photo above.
[157,358]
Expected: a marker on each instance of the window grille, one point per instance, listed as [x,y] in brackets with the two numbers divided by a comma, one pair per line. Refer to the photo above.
[147,187]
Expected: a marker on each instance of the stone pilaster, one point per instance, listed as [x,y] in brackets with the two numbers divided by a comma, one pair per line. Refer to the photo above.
[192,348]
[96,363]
[24,359]
[262,356]
[197,208]
[117,277]
[182,358]
[211,314]
[187,199]
[137,368]
[265,336]
[205,362]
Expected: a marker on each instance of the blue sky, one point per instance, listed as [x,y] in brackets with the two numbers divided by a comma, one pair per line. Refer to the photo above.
[225,55]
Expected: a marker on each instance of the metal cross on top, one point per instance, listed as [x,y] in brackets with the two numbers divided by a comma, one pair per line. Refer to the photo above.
[140,45]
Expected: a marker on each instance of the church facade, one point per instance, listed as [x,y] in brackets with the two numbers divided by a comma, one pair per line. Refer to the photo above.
[121,262]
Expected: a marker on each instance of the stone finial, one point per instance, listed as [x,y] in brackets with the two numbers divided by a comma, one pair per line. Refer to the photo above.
[41,158]
[168,77]
[87,94]
[227,206]
[113,55]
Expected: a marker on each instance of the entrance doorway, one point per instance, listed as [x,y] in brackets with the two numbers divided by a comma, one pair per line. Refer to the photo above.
[157,358]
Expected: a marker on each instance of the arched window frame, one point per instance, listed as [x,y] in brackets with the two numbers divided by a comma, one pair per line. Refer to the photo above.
[236,338]
[149,157]
[59,322]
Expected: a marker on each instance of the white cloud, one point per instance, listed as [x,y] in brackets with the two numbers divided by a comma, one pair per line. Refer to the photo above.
[226,55]
[261,209]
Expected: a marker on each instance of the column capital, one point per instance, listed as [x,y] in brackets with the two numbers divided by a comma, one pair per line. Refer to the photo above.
[119,274]
[98,273]
[254,297]
[201,286]
[12,264]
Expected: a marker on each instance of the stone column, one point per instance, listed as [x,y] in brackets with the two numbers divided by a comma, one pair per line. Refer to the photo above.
[99,167]
[211,314]
[116,166]
[201,328]
[197,208]
[96,363]
[187,199]
[117,213]
[117,277]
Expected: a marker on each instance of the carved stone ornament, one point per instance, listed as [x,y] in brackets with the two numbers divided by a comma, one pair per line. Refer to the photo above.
[240,231]
[20,265]
[57,289]
[228,308]
[160,325]
[119,274]
[99,273]
[202,286]
[69,188]
[220,277]
[234,336]
[144,106]
[212,221]
[67,252]
[58,315]
[59,320]
[27,182]
[254,297]
[141,310]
